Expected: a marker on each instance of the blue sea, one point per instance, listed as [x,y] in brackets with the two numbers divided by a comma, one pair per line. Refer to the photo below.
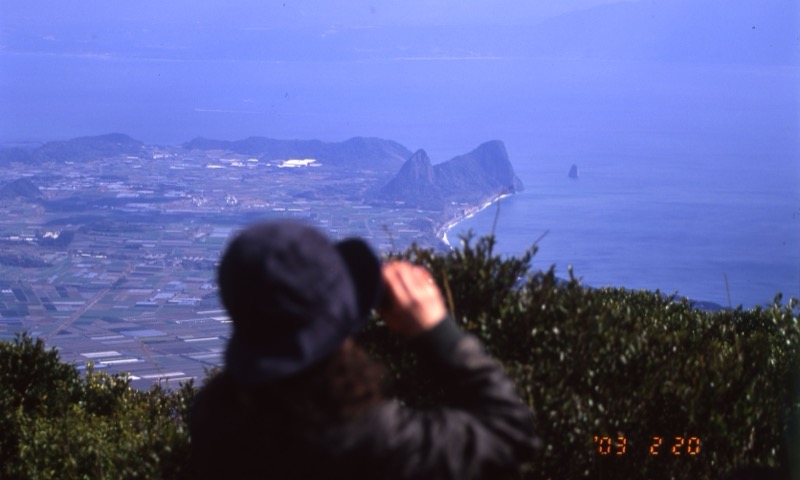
[704,225]
[689,177]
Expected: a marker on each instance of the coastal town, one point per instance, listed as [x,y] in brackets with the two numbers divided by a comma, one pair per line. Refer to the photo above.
[111,260]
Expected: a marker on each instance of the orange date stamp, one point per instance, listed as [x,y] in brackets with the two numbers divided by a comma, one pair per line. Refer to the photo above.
[659,446]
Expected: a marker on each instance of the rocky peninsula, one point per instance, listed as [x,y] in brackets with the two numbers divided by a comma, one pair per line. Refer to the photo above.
[372,187]
[457,188]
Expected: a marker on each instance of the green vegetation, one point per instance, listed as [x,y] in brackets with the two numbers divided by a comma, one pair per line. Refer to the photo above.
[599,367]
[55,424]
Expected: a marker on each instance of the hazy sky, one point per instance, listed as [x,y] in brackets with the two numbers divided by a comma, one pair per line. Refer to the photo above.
[302,13]
[182,29]
[166,71]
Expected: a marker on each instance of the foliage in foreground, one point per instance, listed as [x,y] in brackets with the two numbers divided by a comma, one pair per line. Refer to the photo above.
[54,423]
[612,374]
[606,372]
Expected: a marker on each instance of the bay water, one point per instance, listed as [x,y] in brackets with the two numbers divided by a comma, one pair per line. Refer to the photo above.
[699,225]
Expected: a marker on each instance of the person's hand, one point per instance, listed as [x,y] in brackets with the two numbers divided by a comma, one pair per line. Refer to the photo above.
[417,304]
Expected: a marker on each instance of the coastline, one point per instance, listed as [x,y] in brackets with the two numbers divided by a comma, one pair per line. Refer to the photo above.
[468,212]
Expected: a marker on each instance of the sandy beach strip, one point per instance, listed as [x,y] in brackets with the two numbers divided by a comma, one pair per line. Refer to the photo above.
[469,212]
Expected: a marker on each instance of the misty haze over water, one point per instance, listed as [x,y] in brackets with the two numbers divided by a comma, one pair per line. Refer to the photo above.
[682,115]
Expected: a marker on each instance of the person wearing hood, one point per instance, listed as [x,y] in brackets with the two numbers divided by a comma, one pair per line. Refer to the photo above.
[299,399]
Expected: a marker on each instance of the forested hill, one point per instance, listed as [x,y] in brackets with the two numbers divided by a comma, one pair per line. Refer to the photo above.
[75,150]
[358,152]
[19,188]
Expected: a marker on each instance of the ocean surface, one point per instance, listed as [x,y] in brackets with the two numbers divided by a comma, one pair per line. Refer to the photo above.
[689,178]
[679,224]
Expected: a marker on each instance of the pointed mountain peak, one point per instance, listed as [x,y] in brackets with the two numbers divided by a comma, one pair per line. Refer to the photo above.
[418,168]
[492,147]
[420,156]
[480,175]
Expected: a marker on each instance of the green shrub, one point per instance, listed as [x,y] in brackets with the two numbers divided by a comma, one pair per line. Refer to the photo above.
[56,424]
[616,363]
[592,364]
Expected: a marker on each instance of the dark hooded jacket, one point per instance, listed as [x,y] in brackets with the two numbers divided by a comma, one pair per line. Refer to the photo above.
[482,431]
